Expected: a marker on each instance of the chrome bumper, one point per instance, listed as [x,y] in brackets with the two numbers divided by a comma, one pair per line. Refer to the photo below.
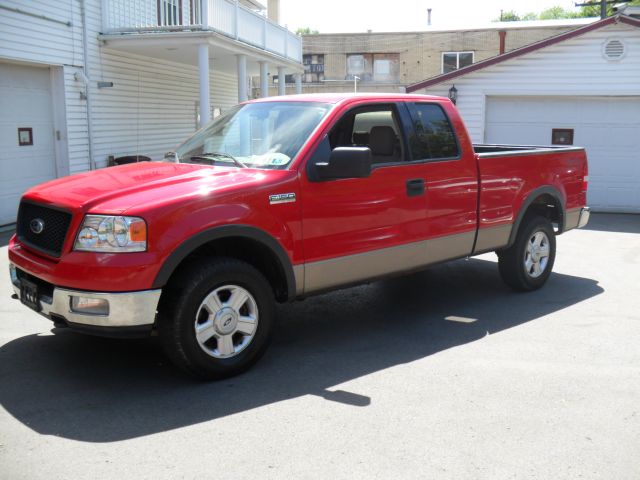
[585,213]
[129,309]
[577,218]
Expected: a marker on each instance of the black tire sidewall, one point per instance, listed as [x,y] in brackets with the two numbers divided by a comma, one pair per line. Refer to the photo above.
[534,225]
[202,280]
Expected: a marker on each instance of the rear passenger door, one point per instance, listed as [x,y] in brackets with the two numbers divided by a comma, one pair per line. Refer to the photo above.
[443,149]
[360,228]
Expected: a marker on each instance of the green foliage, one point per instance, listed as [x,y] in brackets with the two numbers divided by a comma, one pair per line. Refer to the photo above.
[555,13]
[530,16]
[510,16]
[306,31]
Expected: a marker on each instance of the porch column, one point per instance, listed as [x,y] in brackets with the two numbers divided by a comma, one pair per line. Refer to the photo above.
[242,78]
[298,83]
[203,75]
[264,79]
[281,81]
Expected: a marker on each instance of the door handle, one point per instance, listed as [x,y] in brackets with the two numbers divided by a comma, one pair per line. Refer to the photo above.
[415,187]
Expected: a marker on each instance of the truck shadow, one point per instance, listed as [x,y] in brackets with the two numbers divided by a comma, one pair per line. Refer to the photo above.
[614,222]
[101,390]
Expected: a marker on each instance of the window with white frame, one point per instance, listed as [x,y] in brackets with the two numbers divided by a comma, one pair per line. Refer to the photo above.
[456,60]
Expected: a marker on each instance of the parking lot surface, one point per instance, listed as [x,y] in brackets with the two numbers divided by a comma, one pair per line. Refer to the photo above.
[441,374]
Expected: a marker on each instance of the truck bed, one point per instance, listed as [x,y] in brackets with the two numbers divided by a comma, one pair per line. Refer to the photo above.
[491,150]
[510,175]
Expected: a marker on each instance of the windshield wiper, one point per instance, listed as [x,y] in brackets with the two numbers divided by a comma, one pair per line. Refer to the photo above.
[212,155]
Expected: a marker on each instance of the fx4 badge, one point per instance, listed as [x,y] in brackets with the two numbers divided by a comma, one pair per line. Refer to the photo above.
[282,198]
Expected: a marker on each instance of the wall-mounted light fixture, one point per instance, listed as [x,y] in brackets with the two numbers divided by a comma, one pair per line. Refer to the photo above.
[453,94]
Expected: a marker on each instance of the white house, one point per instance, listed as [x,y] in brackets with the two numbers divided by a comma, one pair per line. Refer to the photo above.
[85,80]
[580,87]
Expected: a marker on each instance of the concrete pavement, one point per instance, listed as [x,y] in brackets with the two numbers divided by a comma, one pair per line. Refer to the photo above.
[441,374]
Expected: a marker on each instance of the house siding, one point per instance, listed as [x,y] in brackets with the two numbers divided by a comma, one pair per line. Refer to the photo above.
[575,67]
[419,53]
[29,39]
[149,110]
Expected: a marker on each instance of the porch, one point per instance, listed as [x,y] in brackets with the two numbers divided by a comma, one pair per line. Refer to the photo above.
[228,35]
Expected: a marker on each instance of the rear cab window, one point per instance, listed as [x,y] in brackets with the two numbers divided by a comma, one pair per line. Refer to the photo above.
[432,136]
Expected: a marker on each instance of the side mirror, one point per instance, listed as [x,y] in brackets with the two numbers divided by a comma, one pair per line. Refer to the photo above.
[345,162]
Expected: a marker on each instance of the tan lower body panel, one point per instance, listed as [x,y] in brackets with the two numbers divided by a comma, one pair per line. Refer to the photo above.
[349,269]
[298,273]
[572,217]
[493,237]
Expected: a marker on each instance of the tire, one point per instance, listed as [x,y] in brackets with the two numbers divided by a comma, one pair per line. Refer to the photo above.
[215,319]
[527,264]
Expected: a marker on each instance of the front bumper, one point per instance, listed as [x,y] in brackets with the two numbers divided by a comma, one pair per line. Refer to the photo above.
[134,311]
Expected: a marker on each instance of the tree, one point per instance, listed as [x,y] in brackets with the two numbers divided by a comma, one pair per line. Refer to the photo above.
[306,31]
[555,13]
[530,16]
[594,11]
[510,16]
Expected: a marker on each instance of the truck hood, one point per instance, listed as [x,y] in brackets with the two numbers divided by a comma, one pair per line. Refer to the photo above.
[118,189]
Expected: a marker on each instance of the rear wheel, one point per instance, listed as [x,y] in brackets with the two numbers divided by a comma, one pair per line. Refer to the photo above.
[215,319]
[527,264]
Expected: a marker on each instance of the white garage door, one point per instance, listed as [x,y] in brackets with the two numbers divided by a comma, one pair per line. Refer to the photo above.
[608,127]
[25,103]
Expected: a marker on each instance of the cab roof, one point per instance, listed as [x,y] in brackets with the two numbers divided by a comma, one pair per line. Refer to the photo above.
[341,97]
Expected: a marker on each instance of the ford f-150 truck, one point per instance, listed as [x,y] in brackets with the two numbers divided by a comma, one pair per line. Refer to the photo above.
[278,199]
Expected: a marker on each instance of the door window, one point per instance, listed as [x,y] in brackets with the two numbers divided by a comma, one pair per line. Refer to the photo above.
[374,127]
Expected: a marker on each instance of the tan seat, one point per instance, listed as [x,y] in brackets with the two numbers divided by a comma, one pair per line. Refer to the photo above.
[382,142]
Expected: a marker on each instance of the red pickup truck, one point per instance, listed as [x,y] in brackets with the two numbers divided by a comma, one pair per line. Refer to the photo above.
[278,199]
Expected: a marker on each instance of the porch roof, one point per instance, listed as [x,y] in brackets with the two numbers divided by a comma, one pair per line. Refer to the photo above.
[182,47]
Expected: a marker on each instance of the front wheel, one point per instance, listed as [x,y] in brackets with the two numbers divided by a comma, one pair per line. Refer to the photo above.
[216,318]
[527,264]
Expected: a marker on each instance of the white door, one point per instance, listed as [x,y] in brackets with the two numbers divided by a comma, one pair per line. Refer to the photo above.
[25,103]
[608,127]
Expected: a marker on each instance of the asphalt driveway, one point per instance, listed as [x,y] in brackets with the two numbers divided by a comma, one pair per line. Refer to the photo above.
[442,374]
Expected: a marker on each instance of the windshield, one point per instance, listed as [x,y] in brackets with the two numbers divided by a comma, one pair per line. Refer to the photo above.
[257,135]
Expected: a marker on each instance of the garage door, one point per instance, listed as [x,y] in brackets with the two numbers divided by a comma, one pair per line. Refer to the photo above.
[26,134]
[608,127]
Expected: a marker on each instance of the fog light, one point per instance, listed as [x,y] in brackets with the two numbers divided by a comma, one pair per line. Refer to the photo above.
[90,306]
[14,274]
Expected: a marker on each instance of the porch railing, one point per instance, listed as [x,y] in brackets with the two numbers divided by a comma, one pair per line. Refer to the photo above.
[227,17]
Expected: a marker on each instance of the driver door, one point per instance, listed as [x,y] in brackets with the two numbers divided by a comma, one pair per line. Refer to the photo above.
[361,228]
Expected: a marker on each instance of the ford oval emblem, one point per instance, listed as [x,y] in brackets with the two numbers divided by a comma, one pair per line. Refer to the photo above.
[37,225]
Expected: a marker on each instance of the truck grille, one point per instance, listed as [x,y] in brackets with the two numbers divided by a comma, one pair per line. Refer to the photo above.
[52,222]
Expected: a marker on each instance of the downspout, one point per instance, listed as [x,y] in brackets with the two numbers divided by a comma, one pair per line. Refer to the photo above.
[85,41]
[503,36]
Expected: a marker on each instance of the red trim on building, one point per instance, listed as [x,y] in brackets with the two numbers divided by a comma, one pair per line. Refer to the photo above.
[503,37]
[523,50]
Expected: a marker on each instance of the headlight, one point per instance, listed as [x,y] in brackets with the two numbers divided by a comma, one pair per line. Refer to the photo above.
[102,233]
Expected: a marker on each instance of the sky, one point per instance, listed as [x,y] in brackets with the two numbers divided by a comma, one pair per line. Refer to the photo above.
[335,16]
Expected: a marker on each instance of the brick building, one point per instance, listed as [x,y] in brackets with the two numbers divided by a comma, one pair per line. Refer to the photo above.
[387,62]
